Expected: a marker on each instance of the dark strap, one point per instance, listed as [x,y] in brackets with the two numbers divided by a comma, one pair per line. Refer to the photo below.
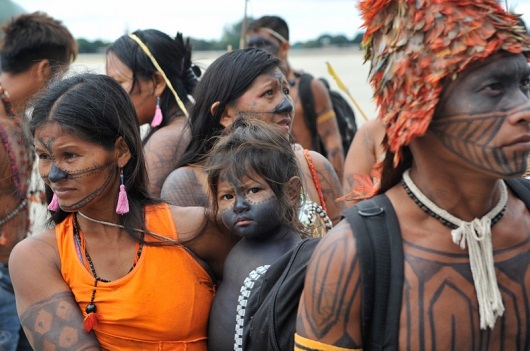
[521,187]
[380,250]
[308,106]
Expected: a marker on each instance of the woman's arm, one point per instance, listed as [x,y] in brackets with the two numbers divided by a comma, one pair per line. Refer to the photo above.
[49,314]
[183,187]
[331,186]
[365,151]
[206,237]
[327,126]
[162,152]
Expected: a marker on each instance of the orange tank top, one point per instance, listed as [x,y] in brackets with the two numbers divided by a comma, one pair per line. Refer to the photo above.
[162,304]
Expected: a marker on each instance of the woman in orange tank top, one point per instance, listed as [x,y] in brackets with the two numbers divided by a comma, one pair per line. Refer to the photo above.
[113,273]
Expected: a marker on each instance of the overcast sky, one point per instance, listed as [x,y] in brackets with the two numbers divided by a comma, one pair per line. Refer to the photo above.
[205,19]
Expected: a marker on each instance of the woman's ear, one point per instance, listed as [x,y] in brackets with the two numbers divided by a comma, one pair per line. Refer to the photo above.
[226,119]
[159,84]
[294,189]
[123,153]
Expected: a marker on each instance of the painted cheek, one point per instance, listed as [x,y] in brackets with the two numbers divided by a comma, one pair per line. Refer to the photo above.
[473,138]
[265,216]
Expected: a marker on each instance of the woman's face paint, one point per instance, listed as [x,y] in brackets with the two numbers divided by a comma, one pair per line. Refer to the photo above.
[261,42]
[267,99]
[484,116]
[248,208]
[77,171]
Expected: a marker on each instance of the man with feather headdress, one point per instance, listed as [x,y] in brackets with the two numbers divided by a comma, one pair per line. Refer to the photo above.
[451,81]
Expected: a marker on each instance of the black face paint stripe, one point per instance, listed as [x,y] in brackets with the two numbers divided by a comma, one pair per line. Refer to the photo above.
[95,193]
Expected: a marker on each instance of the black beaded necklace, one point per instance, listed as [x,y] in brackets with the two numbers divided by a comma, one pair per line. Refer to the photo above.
[431,213]
[91,311]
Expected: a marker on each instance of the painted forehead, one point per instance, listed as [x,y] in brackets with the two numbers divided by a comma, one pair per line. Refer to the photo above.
[273,73]
[500,65]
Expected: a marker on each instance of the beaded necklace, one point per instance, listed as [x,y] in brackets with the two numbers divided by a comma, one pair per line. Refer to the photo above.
[92,316]
[476,235]
[310,209]
[444,219]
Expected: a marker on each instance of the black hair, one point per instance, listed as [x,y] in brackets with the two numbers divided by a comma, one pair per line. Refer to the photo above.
[33,37]
[95,108]
[174,57]
[224,81]
[250,147]
[275,23]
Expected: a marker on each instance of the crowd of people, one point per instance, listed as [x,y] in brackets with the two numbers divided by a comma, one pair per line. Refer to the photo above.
[171,191]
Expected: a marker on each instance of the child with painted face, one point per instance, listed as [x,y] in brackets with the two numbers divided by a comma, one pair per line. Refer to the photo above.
[113,274]
[250,83]
[255,184]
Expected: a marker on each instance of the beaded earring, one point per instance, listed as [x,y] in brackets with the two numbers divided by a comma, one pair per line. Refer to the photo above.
[123,203]
[157,119]
[54,204]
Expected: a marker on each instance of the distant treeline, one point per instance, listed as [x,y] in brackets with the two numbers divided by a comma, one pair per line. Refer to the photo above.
[230,38]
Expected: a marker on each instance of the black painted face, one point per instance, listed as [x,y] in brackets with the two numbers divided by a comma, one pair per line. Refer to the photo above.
[260,42]
[248,208]
[484,116]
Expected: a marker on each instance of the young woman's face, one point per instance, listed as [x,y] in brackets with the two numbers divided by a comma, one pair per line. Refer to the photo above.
[143,95]
[248,207]
[267,99]
[483,118]
[79,172]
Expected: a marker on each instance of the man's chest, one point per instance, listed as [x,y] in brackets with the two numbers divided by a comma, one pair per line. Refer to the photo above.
[440,309]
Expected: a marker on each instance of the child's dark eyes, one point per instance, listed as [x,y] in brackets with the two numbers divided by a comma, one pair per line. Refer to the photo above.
[226,197]
[253,190]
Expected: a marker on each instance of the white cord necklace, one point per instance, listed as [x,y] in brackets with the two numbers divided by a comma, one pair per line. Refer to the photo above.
[110,224]
[477,235]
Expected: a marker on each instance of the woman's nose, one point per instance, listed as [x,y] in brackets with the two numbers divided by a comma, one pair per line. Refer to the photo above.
[285,106]
[56,174]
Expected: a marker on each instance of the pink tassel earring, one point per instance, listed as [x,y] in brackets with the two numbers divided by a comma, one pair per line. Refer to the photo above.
[54,204]
[157,119]
[123,203]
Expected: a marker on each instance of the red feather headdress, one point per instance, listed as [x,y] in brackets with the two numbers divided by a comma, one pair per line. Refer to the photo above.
[413,45]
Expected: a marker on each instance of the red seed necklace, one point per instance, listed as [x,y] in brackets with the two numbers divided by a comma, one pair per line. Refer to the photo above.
[92,316]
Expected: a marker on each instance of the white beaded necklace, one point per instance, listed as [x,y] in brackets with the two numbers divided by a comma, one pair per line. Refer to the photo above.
[477,236]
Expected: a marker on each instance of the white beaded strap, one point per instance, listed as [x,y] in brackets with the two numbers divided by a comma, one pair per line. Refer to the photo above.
[477,236]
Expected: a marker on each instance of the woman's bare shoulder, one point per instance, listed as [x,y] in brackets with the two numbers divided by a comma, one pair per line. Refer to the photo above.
[35,248]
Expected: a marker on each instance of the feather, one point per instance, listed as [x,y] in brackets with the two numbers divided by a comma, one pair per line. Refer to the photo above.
[343,87]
